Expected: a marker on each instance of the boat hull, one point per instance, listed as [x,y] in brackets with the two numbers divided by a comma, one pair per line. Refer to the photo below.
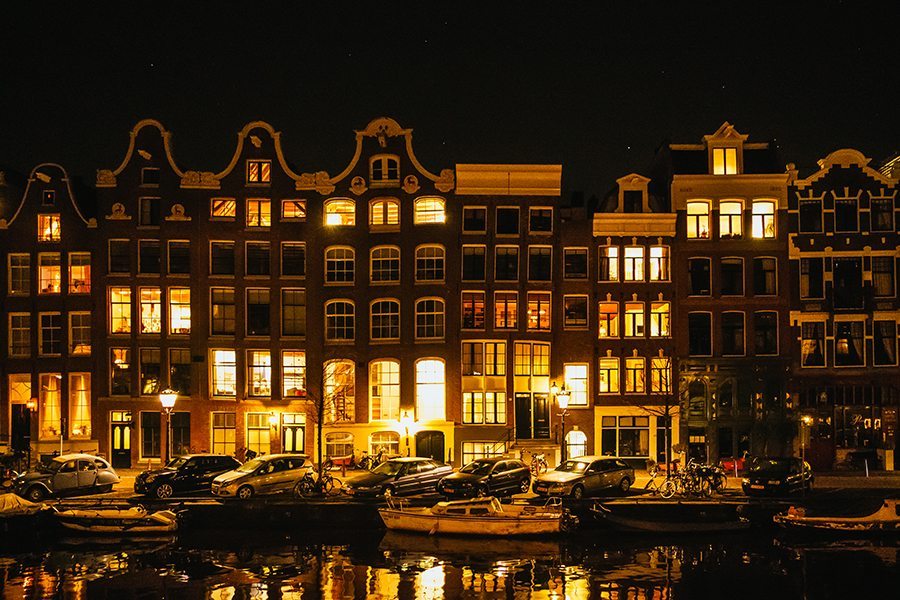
[118,521]
[673,517]
[423,521]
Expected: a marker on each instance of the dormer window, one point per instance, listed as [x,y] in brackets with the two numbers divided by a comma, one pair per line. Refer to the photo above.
[633,200]
[384,170]
[724,161]
[150,176]
[48,228]
[48,198]
[259,171]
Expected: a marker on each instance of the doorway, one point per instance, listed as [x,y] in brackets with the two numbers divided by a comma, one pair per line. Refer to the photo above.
[532,416]
[120,439]
[430,444]
[292,432]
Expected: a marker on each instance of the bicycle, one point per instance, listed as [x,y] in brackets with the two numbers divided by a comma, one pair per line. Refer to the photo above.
[539,464]
[370,462]
[308,485]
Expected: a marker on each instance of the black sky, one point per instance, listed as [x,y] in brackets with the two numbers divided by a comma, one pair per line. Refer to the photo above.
[593,85]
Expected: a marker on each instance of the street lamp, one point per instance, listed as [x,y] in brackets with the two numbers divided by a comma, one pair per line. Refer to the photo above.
[805,422]
[405,422]
[167,398]
[562,399]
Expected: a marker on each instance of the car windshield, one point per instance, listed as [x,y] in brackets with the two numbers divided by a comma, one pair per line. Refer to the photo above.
[572,466]
[176,463]
[250,465]
[477,468]
[51,467]
[771,464]
[388,468]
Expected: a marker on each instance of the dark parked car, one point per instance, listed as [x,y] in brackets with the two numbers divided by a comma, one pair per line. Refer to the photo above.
[494,476]
[778,476]
[400,477]
[584,476]
[67,475]
[186,474]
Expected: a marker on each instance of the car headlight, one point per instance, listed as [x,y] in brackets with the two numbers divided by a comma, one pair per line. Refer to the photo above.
[745,481]
[558,487]
[150,478]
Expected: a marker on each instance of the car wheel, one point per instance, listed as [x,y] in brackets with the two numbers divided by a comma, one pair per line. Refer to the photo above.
[163,491]
[245,492]
[577,492]
[525,485]
[35,494]
[389,491]
[105,489]
[624,485]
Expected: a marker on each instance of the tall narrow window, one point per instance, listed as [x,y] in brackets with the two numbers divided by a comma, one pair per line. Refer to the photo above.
[79,333]
[765,332]
[79,273]
[698,269]
[221,258]
[700,334]
[259,171]
[259,373]
[259,312]
[258,436]
[724,161]
[430,318]
[847,277]
[812,344]
[659,263]
[20,335]
[385,320]
[732,276]
[883,276]
[731,214]
[575,263]
[430,263]
[293,312]
[179,311]
[885,343]
[540,263]
[882,214]
[609,263]
[48,228]
[506,310]
[257,258]
[698,220]
[180,370]
[846,214]
[849,344]
[385,265]
[659,319]
[429,209]
[733,333]
[384,390]
[763,219]
[51,334]
[149,212]
[473,310]
[384,213]
[507,220]
[151,310]
[539,312]
[339,389]
[576,378]
[151,371]
[259,212]
[634,375]
[608,316]
[293,259]
[149,256]
[179,254]
[575,311]
[473,263]
[119,256]
[608,375]
[224,373]
[430,390]
[340,321]
[810,215]
[19,274]
[223,429]
[49,272]
[293,373]
[812,278]
[634,263]
[119,310]
[660,375]
[765,281]
[506,263]
[50,409]
[80,405]
[634,319]
[340,212]
[120,372]
[222,311]
[340,265]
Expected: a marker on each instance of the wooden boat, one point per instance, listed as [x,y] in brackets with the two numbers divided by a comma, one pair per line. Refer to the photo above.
[123,521]
[884,520]
[18,514]
[479,516]
[672,516]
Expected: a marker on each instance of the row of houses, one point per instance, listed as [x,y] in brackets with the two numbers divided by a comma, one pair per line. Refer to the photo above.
[451,313]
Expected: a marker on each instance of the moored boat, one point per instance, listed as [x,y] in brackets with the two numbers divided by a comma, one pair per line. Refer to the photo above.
[672,516]
[480,517]
[884,520]
[18,514]
[127,521]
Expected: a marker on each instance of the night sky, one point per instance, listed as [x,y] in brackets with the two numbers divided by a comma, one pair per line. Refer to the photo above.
[596,89]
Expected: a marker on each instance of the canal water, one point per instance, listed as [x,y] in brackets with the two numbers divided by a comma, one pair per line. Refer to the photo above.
[601,564]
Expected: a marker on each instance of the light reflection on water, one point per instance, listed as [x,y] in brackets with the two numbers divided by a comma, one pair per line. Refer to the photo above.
[603,565]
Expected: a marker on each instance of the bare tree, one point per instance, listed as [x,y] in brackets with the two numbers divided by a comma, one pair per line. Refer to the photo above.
[663,392]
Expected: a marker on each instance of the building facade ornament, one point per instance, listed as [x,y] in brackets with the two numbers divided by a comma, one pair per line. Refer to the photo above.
[410,184]
[178,214]
[358,185]
[200,180]
[118,213]
[446,181]
[105,178]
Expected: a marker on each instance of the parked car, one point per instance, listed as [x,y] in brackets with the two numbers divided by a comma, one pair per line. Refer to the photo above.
[270,474]
[776,475]
[495,476]
[186,474]
[67,475]
[399,477]
[585,476]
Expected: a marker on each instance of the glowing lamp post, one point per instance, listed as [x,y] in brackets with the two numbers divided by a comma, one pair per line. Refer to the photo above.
[167,399]
[805,422]
[406,421]
[562,399]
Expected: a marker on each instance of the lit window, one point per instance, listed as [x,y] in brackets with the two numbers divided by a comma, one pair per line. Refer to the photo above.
[429,209]
[79,333]
[340,211]
[608,375]
[430,318]
[179,310]
[259,171]
[151,310]
[293,210]
[473,310]
[576,378]
[49,273]
[223,208]
[20,334]
[384,212]
[259,373]
[483,358]
[660,375]
[659,263]
[120,372]
[538,311]
[608,316]
[338,444]
[151,371]
[223,429]
[293,373]
[79,273]
[385,320]
[339,265]
[532,358]
[698,220]
[763,219]
[731,215]
[48,228]
[484,407]
[634,263]
[384,169]
[119,310]
[634,375]
[51,334]
[385,264]
[385,441]
[634,319]
[80,405]
[609,263]
[50,415]
[384,390]
[340,321]
[224,373]
[258,437]
[659,319]
[506,305]
[339,388]
[430,263]
[724,161]
[576,444]
[259,212]
[430,386]
[19,274]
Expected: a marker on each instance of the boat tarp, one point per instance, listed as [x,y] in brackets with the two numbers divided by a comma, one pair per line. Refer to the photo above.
[12,505]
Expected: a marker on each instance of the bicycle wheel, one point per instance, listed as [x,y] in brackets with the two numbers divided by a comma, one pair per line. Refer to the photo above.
[335,486]
[704,488]
[668,488]
[720,483]
[305,487]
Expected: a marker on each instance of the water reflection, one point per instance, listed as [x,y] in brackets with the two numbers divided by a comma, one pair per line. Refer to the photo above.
[602,565]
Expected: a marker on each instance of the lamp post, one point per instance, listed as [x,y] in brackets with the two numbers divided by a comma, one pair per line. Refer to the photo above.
[405,422]
[32,406]
[562,399]
[805,422]
[167,399]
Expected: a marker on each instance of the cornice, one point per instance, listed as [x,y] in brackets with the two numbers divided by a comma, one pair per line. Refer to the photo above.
[634,224]
[845,157]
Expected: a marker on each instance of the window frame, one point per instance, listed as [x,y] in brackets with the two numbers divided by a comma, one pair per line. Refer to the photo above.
[346,315]
[424,217]
[697,219]
[532,230]
[440,319]
[263,169]
[391,326]
[395,257]
[347,219]
[384,204]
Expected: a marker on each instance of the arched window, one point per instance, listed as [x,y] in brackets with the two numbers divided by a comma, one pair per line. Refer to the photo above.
[385,319]
[338,444]
[386,441]
[384,169]
[384,266]
[384,390]
[340,321]
[340,211]
[430,388]
[430,263]
[339,264]
[430,318]
[384,212]
[338,387]
[429,209]
[576,444]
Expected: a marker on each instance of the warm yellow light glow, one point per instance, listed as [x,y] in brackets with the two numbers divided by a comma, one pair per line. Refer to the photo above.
[167,398]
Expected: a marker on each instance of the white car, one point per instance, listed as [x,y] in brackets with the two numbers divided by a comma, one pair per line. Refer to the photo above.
[67,475]
[269,474]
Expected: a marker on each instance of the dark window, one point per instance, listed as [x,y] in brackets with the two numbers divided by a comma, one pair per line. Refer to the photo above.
[699,270]
[48,198]
[764,277]
[151,371]
[883,276]
[222,311]
[293,312]
[882,214]
[608,263]
[150,434]
[847,276]
[699,334]
[849,347]
[575,311]
[733,333]
[812,344]
[149,176]
[221,258]
[148,256]
[257,258]
[506,263]
[179,258]
[473,263]
[633,200]
[732,277]
[885,343]
[119,256]
[845,215]
[810,216]
[576,263]
[180,370]
[120,372]
[258,312]
[508,221]
[293,260]
[51,333]
[812,282]
[765,332]
[474,220]
[181,433]
[150,211]
[540,220]
[539,263]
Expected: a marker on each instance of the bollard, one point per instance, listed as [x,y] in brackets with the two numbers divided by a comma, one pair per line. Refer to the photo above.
[866,461]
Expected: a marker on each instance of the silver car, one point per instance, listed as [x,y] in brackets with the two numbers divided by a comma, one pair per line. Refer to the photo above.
[585,476]
[269,474]
[67,475]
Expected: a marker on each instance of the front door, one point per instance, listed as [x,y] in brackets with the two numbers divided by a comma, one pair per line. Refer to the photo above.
[20,428]
[523,416]
[120,436]
[430,444]
[541,417]
[292,438]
